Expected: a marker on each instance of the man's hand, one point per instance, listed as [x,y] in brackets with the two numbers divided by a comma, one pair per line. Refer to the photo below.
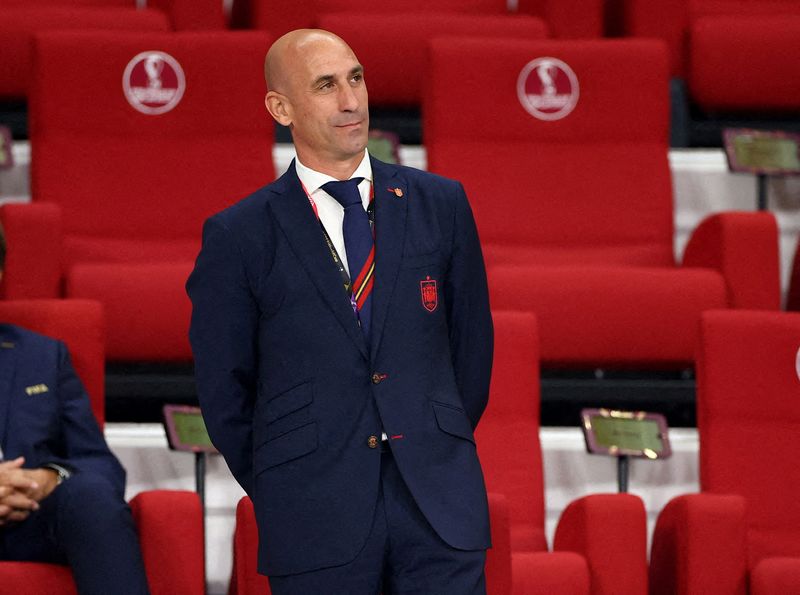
[21,490]
[15,504]
[42,481]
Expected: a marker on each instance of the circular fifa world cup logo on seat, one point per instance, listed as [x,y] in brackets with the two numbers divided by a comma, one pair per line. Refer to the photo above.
[153,82]
[548,88]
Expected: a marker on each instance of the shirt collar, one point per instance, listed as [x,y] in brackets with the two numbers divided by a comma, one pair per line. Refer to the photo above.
[313,180]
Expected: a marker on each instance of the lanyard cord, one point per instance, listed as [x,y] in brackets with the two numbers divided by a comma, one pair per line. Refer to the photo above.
[346,282]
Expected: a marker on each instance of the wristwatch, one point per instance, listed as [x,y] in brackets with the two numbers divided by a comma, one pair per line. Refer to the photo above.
[63,472]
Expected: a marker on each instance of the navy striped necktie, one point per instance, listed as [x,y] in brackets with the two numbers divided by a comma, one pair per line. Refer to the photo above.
[359,247]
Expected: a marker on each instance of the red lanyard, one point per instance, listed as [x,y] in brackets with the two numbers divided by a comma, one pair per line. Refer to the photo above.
[334,254]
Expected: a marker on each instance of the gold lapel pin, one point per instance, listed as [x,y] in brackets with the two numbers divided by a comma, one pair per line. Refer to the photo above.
[397,192]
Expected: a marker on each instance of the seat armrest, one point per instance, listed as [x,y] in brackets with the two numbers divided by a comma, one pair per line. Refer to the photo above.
[743,247]
[610,531]
[33,259]
[775,575]
[170,526]
[699,546]
[545,573]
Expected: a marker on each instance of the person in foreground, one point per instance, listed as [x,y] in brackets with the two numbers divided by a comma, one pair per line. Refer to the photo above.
[343,346]
[61,488]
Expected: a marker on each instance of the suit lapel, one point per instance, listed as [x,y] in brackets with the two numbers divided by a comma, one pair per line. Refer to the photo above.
[391,199]
[296,218]
[8,360]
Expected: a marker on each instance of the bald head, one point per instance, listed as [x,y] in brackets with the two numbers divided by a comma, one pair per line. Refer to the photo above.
[316,87]
[293,50]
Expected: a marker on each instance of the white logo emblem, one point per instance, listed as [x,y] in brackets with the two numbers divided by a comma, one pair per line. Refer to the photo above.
[548,88]
[153,82]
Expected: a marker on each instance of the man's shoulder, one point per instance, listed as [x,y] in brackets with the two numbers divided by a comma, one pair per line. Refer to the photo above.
[245,209]
[426,181]
[20,338]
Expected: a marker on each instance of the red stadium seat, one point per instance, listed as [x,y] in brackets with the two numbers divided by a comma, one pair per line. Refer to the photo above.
[605,532]
[131,189]
[20,20]
[574,208]
[564,19]
[766,52]
[706,38]
[375,31]
[670,21]
[169,523]
[18,26]
[742,533]
[281,16]
[396,78]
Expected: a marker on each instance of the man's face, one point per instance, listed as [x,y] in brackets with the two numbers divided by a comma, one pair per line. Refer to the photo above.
[327,103]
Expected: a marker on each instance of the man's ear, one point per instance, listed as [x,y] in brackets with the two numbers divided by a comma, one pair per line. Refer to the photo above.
[278,107]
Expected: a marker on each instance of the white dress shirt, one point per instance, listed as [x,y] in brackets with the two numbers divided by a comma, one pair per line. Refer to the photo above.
[330,212]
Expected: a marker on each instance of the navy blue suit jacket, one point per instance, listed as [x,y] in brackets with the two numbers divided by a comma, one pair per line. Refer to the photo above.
[291,392]
[45,413]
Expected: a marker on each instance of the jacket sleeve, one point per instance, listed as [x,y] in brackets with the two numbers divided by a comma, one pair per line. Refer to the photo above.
[469,317]
[84,447]
[223,335]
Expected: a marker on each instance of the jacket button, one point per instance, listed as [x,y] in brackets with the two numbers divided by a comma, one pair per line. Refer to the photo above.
[372,442]
[377,378]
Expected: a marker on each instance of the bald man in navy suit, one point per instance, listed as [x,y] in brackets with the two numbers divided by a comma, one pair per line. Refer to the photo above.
[61,489]
[343,348]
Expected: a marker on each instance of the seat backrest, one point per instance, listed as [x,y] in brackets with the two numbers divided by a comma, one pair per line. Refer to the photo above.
[80,325]
[745,8]
[508,433]
[669,20]
[748,415]
[396,78]
[550,185]
[281,16]
[137,186]
[568,20]
[18,23]
[47,3]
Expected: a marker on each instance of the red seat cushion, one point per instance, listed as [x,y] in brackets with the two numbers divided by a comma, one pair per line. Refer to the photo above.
[18,25]
[611,315]
[775,575]
[766,54]
[31,578]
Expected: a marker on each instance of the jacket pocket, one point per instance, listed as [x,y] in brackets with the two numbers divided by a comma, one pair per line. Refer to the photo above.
[288,401]
[417,261]
[453,420]
[286,447]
